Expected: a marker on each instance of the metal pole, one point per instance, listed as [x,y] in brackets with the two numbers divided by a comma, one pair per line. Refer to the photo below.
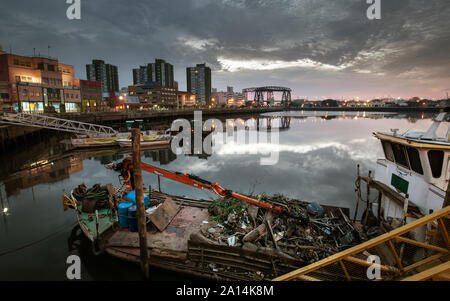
[358,197]
[159,183]
[380,195]
[140,207]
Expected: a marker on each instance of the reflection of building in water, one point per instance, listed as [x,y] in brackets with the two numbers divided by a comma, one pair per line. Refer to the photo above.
[47,172]
[163,156]
[109,158]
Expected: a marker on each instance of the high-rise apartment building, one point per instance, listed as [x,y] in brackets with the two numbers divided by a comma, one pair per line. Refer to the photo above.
[199,83]
[105,73]
[159,72]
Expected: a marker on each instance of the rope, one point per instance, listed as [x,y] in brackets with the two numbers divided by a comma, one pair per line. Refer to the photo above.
[37,241]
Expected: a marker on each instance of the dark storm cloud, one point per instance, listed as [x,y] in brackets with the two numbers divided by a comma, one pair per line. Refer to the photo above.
[326,48]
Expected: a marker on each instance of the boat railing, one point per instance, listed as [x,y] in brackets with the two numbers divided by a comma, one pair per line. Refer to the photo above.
[395,255]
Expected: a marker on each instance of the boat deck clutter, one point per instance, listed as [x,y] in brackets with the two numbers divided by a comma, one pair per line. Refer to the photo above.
[222,239]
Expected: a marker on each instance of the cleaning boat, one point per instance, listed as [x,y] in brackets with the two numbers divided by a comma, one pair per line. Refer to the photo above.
[414,175]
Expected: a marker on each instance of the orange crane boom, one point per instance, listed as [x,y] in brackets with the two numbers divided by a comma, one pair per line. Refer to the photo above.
[191,180]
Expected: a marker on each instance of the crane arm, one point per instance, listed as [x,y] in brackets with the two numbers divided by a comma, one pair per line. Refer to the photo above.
[194,181]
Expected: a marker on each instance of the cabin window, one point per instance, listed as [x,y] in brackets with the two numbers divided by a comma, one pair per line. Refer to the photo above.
[436,159]
[388,150]
[414,159]
[400,154]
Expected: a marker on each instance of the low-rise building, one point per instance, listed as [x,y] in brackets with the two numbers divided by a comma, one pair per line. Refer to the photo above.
[91,96]
[153,96]
[185,100]
[36,84]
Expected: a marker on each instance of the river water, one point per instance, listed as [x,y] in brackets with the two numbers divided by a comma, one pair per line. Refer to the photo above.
[317,159]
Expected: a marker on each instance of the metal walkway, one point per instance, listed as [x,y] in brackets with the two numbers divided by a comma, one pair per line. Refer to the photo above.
[401,256]
[58,124]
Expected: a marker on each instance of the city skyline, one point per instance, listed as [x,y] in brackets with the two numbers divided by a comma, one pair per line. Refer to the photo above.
[319,49]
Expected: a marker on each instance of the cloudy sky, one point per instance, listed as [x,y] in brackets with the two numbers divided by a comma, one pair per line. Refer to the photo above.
[319,48]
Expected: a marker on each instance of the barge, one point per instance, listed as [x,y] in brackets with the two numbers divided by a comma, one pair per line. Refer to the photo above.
[201,238]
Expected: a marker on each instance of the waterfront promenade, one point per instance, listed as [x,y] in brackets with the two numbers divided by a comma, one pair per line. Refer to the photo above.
[10,133]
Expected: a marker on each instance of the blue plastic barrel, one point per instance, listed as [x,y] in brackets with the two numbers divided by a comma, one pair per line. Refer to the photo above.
[131,196]
[123,214]
[132,220]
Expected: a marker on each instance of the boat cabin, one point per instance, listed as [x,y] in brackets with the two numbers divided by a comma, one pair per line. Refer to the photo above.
[416,165]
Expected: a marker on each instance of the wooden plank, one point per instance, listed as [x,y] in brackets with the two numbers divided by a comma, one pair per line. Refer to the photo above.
[385,268]
[424,261]
[140,207]
[444,232]
[366,245]
[427,274]
[307,278]
[421,244]
[397,259]
[396,197]
[162,217]
[345,270]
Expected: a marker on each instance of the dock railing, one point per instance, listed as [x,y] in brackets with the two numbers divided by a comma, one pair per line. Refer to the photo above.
[395,255]
[59,124]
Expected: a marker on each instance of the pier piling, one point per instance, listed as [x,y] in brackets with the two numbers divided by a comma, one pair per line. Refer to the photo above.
[140,207]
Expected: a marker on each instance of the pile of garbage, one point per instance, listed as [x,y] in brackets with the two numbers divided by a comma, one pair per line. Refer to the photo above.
[94,198]
[304,231]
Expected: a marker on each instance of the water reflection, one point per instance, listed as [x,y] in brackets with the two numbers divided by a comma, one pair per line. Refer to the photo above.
[319,153]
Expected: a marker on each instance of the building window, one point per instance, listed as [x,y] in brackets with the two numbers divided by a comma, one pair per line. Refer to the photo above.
[45,80]
[17,78]
[50,67]
[436,159]
[400,154]
[16,62]
[40,66]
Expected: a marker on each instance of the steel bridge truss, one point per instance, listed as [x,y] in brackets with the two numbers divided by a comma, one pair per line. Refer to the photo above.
[269,91]
[53,123]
